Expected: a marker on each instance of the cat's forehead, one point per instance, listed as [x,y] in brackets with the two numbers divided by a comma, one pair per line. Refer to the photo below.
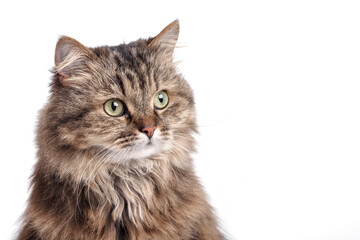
[128,55]
[134,69]
[133,73]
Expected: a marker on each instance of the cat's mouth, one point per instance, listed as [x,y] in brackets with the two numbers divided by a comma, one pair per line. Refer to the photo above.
[142,147]
[141,150]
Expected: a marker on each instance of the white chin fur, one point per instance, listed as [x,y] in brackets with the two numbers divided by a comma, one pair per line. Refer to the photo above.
[142,148]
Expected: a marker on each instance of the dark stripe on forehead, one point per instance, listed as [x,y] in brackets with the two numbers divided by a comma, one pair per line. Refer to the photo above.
[141,56]
[151,77]
[156,84]
[144,73]
[157,77]
[117,60]
[141,79]
[97,52]
[130,77]
[121,84]
[135,64]
[101,52]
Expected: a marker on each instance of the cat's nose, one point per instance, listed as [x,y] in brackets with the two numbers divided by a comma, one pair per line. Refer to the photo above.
[149,131]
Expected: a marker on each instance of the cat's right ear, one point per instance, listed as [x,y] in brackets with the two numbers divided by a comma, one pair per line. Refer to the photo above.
[70,58]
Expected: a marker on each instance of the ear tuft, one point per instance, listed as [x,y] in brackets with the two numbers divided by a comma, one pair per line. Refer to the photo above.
[70,56]
[167,38]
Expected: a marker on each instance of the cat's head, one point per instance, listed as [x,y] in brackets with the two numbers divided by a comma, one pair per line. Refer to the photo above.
[128,100]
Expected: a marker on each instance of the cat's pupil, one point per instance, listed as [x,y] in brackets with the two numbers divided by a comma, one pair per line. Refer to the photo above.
[114,105]
[161,98]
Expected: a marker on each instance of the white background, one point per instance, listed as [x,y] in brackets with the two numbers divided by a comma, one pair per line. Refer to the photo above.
[277,86]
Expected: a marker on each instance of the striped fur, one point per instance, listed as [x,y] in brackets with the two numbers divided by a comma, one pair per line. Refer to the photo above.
[89,181]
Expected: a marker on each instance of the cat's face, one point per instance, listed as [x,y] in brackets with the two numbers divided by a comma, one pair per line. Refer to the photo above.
[127,101]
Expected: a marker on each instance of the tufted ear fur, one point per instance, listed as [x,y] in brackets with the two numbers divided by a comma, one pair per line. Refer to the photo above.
[70,57]
[167,38]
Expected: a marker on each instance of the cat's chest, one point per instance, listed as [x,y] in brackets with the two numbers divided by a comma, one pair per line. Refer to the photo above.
[133,198]
[147,206]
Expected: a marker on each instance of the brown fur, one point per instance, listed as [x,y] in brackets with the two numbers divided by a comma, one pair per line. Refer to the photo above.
[86,184]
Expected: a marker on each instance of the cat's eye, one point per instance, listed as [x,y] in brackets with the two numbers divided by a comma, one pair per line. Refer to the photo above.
[161,100]
[114,107]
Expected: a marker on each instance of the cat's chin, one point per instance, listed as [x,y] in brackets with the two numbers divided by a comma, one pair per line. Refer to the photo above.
[142,149]
[144,152]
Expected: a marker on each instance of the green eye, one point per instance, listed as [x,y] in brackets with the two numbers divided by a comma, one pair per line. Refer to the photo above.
[161,100]
[114,107]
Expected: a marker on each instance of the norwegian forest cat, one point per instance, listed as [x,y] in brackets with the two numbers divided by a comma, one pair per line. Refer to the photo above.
[114,144]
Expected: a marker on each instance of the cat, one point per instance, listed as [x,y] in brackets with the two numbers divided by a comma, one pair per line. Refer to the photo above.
[114,147]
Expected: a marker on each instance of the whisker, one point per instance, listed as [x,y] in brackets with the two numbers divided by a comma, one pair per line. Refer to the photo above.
[181,146]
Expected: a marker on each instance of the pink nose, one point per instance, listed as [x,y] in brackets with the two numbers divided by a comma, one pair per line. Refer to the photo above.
[149,131]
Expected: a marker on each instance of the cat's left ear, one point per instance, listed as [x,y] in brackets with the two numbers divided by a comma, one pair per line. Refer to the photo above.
[167,38]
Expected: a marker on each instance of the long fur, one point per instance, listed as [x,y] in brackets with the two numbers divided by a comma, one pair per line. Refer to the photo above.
[85,184]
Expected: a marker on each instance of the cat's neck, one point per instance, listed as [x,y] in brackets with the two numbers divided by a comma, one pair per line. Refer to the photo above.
[111,194]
